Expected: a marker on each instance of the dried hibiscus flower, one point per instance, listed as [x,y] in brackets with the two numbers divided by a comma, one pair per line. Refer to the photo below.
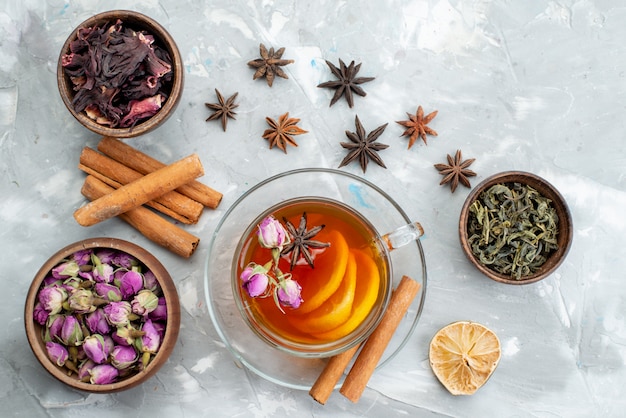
[121,77]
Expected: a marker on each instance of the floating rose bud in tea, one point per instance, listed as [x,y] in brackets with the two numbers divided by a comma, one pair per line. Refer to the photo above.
[272,234]
[289,294]
[268,279]
[255,279]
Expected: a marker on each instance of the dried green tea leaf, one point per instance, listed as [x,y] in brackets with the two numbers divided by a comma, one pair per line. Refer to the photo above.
[512,229]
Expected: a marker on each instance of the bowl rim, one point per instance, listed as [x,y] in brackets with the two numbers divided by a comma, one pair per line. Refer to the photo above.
[163,37]
[547,190]
[173,313]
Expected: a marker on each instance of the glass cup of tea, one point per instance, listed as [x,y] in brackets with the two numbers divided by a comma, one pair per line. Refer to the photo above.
[327,286]
[372,244]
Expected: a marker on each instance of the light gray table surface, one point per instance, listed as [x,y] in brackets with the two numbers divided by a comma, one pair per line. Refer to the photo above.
[530,85]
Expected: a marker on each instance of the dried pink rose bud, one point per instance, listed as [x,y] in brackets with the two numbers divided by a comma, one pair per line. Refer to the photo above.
[160,313]
[84,371]
[272,234]
[126,335]
[118,313]
[40,314]
[57,353]
[103,374]
[82,301]
[129,283]
[255,279]
[66,270]
[289,293]
[52,298]
[108,291]
[144,302]
[103,273]
[97,322]
[123,357]
[149,343]
[54,325]
[95,348]
[71,332]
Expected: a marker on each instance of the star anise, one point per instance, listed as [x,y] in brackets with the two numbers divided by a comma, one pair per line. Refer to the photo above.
[223,109]
[280,132]
[301,241]
[456,171]
[269,64]
[348,81]
[416,126]
[364,147]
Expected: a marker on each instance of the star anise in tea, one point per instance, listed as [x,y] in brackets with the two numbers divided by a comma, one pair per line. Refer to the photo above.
[416,126]
[456,171]
[269,64]
[363,146]
[302,242]
[347,82]
[281,132]
[223,109]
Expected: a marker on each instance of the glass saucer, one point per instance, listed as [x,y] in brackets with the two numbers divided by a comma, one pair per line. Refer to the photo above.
[368,199]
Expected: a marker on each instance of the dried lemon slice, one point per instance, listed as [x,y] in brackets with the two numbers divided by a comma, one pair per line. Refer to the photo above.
[463,355]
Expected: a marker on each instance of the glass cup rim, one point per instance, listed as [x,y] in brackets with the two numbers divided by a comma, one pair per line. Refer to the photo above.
[315,349]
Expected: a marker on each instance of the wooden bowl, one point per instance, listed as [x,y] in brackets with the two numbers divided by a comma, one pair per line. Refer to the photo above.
[34,330]
[137,22]
[565,232]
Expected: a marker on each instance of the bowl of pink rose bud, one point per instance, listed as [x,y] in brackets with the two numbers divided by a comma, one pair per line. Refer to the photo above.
[102,315]
[120,74]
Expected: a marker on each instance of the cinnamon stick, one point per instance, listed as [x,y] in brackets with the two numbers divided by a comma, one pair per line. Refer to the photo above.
[115,174]
[140,191]
[145,164]
[374,347]
[325,383]
[151,225]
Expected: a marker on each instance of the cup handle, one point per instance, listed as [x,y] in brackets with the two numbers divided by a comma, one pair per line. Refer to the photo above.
[403,235]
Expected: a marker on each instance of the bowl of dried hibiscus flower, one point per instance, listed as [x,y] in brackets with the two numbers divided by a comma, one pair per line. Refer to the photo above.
[515,227]
[120,74]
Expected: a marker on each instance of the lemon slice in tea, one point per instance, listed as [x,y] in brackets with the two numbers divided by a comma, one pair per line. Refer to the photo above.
[463,355]
[325,279]
[365,295]
[334,311]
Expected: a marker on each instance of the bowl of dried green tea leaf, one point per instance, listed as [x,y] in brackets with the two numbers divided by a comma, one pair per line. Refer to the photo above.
[515,227]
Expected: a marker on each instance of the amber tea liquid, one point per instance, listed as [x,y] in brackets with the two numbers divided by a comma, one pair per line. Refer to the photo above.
[348,281]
